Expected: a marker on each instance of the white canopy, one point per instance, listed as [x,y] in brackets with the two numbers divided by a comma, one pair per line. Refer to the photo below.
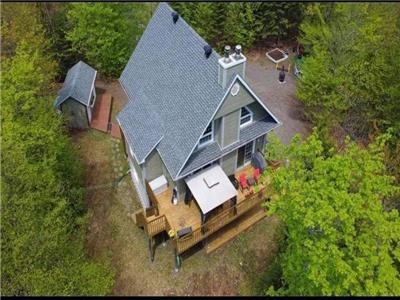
[210,187]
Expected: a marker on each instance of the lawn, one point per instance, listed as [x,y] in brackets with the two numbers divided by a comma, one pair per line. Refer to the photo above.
[112,235]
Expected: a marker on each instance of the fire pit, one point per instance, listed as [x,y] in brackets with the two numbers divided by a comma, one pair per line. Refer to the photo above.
[276,55]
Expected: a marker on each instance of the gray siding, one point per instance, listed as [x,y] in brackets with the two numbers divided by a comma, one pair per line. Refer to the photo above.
[225,75]
[181,185]
[153,166]
[259,112]
[218,131]
[232,103]
[76,114]
[137,167]
[231,128]
[228,163]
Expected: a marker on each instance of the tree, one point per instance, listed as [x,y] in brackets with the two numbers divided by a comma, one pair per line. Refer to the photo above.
[105,34]
[352,70]
[340,240]
[43,214]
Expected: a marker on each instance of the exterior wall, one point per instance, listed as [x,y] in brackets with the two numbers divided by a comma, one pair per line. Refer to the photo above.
[139,182]
[218,131]
[258,111]
[91,104]
[233,103]
[230,128]
[181,185]
[153,166]
[225,75]
[228,163]
[76,113]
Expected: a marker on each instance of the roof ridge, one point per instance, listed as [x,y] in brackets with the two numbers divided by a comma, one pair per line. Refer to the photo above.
[199,37]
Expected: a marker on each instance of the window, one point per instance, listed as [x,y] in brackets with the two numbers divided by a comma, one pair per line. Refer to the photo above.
[208,135]
[246,116]
[235,89]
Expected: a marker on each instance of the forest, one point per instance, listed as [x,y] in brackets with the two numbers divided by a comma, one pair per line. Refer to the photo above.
[338,197]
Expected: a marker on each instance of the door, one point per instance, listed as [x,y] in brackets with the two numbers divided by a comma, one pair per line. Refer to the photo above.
[244,154]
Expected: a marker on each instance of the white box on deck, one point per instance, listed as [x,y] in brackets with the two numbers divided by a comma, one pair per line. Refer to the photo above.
[159,185]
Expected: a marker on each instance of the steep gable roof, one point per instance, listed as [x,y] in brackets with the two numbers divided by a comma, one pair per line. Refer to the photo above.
[78,84]
[173,91]
[169,71]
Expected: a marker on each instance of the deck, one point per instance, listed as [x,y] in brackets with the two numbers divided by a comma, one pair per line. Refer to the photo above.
[101,112]
[169,217]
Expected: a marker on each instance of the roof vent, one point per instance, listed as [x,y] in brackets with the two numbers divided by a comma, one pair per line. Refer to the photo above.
[175,17]
[207,50]
[227,51]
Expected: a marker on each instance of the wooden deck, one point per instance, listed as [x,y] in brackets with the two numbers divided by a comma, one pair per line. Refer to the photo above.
[168,217]
[101,112]
[181,215]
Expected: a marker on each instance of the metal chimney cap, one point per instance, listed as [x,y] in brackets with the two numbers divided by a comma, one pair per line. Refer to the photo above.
[238,50]
[227,51]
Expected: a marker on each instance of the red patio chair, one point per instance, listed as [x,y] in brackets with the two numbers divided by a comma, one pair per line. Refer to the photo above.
[256,174]
[243,181]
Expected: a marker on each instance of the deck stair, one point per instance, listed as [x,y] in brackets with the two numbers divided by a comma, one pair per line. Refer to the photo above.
[232,230]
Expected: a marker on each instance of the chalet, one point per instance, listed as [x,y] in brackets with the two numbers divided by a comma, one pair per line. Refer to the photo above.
[191,127]
[77,97]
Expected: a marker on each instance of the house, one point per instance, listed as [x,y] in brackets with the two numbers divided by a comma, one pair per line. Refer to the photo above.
[77,97]
[191,121]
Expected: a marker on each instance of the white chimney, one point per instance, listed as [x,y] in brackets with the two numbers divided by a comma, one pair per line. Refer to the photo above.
[231,64]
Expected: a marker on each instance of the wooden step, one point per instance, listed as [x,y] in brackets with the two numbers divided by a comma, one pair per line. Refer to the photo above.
[232,230]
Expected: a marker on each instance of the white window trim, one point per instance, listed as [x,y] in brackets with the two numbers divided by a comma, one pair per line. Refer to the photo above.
[201,145]
[240,118]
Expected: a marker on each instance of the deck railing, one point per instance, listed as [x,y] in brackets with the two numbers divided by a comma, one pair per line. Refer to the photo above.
[227,216]
[155,226]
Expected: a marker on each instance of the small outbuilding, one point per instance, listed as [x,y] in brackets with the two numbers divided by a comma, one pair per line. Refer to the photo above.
[77,97]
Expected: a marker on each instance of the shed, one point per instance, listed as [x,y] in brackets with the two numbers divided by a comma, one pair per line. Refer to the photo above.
[77,97]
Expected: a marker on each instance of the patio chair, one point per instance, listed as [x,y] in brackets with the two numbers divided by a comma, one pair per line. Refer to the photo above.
[256,174]
[243,182]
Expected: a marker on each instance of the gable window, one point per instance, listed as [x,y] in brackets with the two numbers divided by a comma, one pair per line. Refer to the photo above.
[246,116]
[208,135]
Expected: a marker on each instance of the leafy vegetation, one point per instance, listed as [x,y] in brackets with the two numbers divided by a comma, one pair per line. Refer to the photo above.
[340,239]
[106,33]
[244,23]
[43,214]
[352,70]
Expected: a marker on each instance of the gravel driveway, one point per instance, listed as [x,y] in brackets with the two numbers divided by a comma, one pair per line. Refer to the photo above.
[279,98]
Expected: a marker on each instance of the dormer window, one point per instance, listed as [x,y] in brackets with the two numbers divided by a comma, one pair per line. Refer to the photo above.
[208,135]
[246,116]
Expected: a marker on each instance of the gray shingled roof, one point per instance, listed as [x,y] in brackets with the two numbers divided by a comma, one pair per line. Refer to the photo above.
[169,69]
[78,84]
[173,91]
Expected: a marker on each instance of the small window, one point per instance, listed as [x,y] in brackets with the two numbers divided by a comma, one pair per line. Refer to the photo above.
[246,116]
[207,137]
[235,89]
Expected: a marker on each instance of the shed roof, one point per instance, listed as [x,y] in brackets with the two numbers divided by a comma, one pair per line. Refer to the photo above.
[78,84]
